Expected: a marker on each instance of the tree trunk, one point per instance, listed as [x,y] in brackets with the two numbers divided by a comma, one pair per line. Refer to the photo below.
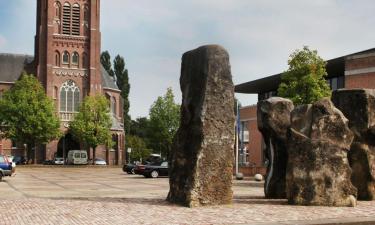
[34,160]
[93,155]
[107,155]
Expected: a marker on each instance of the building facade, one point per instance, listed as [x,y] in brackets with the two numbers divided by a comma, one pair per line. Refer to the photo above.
[356,70]
[67,63]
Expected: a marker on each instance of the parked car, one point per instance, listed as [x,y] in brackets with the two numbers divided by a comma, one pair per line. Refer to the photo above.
[5,167]
[129,168]
[10,159]
[77,157]
[20,160]
[99,161]
[156,169]
[58,161]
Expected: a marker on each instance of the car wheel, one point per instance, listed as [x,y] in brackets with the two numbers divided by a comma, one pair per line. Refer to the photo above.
[154,174]
[132,171]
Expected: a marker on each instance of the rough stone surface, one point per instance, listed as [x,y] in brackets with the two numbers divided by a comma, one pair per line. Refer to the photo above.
[273,122]
[318,170]
[358,105]
[202,156]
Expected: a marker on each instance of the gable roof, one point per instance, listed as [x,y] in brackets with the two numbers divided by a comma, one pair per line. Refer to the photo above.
[12,65]
[107,81]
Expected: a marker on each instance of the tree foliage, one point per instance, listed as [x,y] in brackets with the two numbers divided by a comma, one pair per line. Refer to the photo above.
[105,59]
[164,122]
[304,81]
[93,123]
[138,147]
[122,81]
[27,115]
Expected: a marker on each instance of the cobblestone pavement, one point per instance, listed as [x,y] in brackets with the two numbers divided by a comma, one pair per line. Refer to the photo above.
[109,196]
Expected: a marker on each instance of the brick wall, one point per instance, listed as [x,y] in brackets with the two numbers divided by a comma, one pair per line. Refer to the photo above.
[248,114]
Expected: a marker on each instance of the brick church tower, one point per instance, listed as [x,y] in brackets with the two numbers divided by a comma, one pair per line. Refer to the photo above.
[67,63]
[67,44]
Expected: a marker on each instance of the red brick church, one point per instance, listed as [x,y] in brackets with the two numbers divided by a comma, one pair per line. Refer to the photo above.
[67,63]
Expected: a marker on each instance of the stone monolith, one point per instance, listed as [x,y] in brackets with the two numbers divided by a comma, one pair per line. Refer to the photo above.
[273,117]
[358,105]
[201,164]
[318,171]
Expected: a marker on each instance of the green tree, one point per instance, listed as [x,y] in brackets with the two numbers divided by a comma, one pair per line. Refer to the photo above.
[141,128]
[122,81]
[164,122]
[304,81]
[93,123]
[139,149]
[105,59]
[28,115]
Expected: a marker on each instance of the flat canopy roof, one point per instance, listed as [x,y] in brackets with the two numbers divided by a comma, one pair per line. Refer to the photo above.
[335,68]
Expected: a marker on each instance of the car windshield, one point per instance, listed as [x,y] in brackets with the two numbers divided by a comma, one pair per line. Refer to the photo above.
[98,159]
[2,159]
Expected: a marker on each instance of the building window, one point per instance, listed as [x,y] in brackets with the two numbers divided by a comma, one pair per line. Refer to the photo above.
[66,20]
[57,59]
[76,20]
[69,97]
[336,83]
[113,105]
[66,57]
[75,58]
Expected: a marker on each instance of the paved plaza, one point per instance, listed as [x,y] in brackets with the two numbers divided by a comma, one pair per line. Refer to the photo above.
[92,195]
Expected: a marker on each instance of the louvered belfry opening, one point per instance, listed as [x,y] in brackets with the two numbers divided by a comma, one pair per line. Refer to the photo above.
[71,19]
[76,20]
[66,19]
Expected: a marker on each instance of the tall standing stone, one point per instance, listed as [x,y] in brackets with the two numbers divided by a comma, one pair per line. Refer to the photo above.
[202,156]
[358,105]
[273,117]
[318,171]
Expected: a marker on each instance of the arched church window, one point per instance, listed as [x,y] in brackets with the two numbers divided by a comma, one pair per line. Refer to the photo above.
[57,59]
[69,97]
[113,105]
[75,58]
[66,57]
[76,15]
[57,10]
[66,18]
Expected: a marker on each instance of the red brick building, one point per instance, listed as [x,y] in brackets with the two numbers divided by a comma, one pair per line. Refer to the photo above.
[67,63]
[356,70]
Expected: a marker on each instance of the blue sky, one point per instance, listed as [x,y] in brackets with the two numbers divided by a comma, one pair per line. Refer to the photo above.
[258,34]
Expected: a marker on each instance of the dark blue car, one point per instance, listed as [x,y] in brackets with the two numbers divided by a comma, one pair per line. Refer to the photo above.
[5,167]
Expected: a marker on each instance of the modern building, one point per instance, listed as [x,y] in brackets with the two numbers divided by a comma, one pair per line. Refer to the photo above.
[356,70]
[67,63]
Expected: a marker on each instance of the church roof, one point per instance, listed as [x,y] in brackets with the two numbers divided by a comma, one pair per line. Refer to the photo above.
[12,65]
[107,81]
